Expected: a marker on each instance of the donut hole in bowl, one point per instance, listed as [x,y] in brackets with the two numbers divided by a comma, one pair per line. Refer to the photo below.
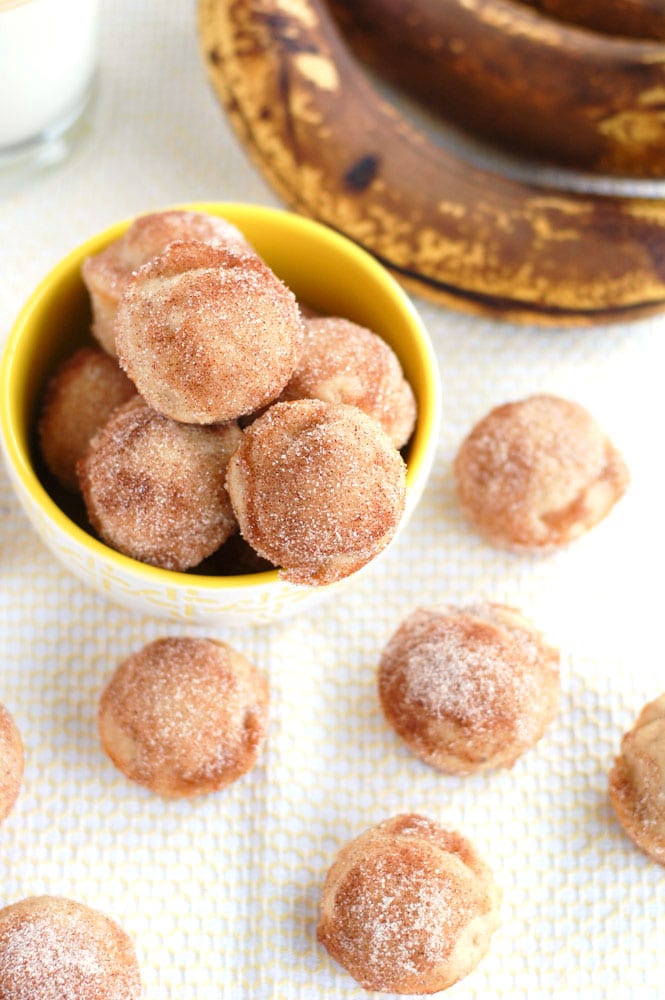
[325,271]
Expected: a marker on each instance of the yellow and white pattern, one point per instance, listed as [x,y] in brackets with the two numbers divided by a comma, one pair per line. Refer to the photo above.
[220,895]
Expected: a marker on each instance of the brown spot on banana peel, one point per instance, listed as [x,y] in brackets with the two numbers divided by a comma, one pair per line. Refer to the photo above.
[457,234]
[362,173]
[519,78]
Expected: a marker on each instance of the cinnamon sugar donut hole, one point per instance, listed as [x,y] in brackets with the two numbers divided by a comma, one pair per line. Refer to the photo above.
[154,488]
[408,907]
[11,755]
[468,688]
[206,333]
[318,489]
[184,716]
[538,473]
[52,948]
[106,274]
[342,362]
[80,396]
[637,781]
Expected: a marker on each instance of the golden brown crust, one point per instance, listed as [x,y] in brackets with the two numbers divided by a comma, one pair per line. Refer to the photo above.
[408,907]
[107,273]
[53,948]
[538,473]
[184,716]
[154,488]
[207,333]
[342,362]
[468,688]
[11,755]
[80,396]
[318,489]
[637,781]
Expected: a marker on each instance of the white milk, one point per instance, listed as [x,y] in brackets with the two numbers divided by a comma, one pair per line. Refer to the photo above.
[48,54]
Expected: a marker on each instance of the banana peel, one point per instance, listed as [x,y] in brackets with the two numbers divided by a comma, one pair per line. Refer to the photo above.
[627,18]
[507,73]
[336,151]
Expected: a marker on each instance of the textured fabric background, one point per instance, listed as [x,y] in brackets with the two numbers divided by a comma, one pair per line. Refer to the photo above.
[220,894]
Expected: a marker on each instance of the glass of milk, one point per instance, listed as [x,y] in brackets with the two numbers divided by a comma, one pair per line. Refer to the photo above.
[48,58]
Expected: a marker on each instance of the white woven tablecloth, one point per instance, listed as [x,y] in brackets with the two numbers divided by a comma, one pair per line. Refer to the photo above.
[220,894]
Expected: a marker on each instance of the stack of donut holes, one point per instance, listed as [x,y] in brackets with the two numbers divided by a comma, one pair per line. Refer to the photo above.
[161,412]
[215,405]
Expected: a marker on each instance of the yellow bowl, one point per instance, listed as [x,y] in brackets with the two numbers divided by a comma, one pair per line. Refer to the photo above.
[323,269]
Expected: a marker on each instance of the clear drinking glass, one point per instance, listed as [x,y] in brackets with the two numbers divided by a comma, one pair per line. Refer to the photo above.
[48,59]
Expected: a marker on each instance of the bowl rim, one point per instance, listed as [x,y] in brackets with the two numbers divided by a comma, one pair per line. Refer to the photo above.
[429,408]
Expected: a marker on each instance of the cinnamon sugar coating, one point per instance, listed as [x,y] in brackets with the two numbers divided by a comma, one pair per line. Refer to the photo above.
[53,948]
[408,907]
[184,716]
[318,489]
[11,755]
[154,488]
[106,274]
[637,781]
[468,688]
[342,362]
[206,333]
[80,396]
[538,473]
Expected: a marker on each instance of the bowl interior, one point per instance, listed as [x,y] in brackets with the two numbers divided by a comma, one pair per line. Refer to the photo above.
[322,268]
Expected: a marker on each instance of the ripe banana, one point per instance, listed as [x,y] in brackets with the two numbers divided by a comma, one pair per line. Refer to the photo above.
[630,18]
[336,151]
[513,75]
